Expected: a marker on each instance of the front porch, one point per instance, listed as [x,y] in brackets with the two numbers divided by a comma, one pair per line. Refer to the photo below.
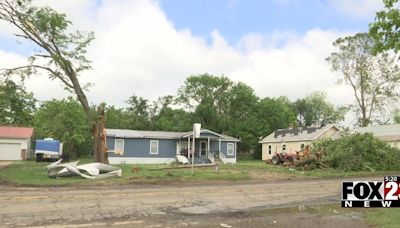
[209,148]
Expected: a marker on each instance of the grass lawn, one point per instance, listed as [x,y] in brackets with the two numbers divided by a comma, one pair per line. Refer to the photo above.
[384,217]
[377,217]
[30,173]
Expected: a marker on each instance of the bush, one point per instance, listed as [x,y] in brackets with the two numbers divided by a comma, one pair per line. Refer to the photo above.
[358,152]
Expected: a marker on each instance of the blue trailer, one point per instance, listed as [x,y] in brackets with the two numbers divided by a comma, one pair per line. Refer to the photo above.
[48,149]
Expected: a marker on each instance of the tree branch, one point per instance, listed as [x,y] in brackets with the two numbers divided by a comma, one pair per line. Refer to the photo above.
[54,73]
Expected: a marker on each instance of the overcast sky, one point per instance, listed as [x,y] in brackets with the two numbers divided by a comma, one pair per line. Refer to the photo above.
[149,47]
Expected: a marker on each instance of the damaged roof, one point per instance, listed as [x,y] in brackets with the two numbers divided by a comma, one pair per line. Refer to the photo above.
[126,133]
[297,134]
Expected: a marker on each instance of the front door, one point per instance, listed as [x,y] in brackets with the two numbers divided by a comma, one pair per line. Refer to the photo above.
[203,148]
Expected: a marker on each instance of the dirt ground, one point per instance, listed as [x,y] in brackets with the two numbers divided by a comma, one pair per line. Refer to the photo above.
[5,163]
[235,204]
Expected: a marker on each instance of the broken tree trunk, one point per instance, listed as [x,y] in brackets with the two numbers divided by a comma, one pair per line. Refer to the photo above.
[99,137]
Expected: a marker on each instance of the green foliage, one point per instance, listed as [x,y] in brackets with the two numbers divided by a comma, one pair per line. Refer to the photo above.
[384,218]
[138,113]
[64,120]
[207,97]
[316,109]
[115,118]
[358,152]
[16,104]
[385,29]
[275,113]
[173,120]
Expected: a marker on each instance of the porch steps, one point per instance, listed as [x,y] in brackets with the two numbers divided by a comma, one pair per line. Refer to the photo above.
[202,160]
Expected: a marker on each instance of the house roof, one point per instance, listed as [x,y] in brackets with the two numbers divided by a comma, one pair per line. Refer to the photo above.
[16,132]
[297,134]
[125,133]
[390,132]
[225,137]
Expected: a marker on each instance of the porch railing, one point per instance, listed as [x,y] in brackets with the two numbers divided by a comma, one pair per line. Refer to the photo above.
[211,157]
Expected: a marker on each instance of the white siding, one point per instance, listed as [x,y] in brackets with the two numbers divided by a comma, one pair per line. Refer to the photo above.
[10,149]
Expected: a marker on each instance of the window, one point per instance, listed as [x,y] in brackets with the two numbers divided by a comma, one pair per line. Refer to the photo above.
[153,146]
[230,149]
[284,147]
[302,146]
[119,146]
[269,149]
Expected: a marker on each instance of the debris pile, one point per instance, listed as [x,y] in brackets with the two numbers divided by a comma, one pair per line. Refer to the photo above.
[303,159]
[89,171]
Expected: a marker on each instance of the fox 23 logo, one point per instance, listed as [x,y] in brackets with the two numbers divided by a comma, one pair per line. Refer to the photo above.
[372,193]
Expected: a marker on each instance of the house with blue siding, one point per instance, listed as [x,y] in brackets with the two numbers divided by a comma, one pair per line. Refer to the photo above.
[161,147]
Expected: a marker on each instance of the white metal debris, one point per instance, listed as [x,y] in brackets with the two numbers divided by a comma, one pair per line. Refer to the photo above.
[89,171]
[182,159]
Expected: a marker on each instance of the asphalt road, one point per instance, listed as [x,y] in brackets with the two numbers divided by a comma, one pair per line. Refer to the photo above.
[155,206]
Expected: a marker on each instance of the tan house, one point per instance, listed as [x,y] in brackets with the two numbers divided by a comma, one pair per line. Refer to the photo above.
[291,140]
[389,133]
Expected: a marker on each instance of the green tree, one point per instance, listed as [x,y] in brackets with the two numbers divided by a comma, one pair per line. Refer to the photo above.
[172,120]
[16,105]
[207,97]
[116,118]
[138,113]
[241,116]
[373,79]
[385,29]
[165,118]
[64,120]
[57,52]
[273,114]
[316,109]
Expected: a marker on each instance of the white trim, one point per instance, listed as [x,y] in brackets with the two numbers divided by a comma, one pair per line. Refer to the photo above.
[227,149]
[229,160]
[123,146]
[46,152]
[178,147]
[153,141]
[139,160]
[214,133]
[235,151]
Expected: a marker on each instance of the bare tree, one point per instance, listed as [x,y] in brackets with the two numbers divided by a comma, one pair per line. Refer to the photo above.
[373,79]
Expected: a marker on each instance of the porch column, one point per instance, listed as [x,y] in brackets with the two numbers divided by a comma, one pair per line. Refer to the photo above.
[219,144]
[208,145]
[188,147]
